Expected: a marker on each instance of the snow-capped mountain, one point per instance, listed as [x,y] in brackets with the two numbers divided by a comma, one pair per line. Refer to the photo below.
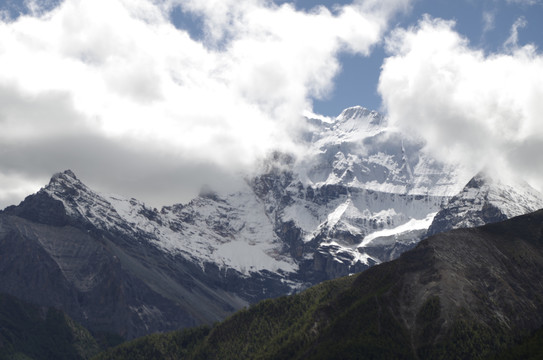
[486,200]
[116,265]
[361,193]
[358,149]
[232,232]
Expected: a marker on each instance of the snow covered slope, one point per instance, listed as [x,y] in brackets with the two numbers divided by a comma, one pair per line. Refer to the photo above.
[358,149]
[232,232]
[486,200]
[363,193]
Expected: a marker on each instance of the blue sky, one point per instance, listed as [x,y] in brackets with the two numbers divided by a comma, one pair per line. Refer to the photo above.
[486,23]
[357,83]
[140,96]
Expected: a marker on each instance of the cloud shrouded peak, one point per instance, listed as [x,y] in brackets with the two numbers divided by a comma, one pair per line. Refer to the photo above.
[118,74]
[475,108]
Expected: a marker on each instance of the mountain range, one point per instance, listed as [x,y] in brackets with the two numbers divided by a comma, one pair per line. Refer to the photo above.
[465,294]
[361,194]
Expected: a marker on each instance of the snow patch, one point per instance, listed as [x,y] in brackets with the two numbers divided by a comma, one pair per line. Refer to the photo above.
[411,225]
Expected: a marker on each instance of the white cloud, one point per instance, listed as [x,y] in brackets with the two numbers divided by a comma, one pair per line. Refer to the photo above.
[481,110]
[512,41]
[489,21]
[119,71]
[524,2]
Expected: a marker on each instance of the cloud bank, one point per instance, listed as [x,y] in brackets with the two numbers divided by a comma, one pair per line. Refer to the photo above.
[111,87]
[482,110]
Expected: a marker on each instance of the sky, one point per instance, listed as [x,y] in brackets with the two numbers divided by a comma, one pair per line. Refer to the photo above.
[154,98]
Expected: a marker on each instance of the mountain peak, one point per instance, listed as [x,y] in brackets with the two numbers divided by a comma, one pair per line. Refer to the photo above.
[51,205]
[478,181]
[357,112]
[64,175]
[69,173]
[354,111]
[65,184]
[484,200]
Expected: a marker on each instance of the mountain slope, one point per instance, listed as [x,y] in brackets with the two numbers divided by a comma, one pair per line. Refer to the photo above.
[30,332]
[107,276]
[468,293]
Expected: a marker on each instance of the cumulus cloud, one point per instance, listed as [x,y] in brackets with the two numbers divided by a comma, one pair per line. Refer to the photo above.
[475,108]
[118,74]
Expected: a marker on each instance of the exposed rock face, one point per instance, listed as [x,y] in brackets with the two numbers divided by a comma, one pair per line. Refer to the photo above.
[42,209]
[106,283]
